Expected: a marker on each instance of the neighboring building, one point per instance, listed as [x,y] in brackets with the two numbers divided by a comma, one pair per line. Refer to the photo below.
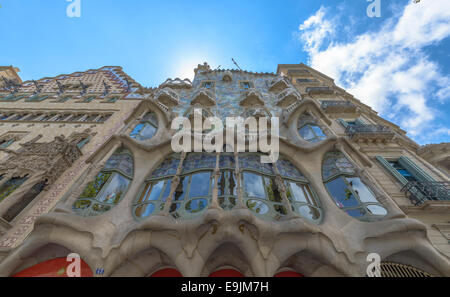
[88,168]
[438,155]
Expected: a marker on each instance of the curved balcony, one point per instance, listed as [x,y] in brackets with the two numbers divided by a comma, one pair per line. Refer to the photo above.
[279,84]
[252,98]
[204,97]
[167,97]
[288,97]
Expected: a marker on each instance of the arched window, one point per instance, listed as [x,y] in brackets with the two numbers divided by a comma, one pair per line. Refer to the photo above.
[302,198]
[12,184]
[347,190]
[157,188]
[309,130]
[146,128]
[109,186]
[194,192]
[312,133]
[261,194]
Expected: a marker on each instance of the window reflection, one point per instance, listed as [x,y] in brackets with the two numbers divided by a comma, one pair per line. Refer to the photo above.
[348,191]
[146,128]
[109,186]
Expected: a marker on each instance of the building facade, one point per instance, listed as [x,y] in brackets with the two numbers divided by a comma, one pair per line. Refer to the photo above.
[87,167]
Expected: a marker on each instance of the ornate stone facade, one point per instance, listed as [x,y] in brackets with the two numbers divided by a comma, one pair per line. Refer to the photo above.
[348,183]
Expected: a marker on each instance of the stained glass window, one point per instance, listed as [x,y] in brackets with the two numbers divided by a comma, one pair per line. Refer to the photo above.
[347,190]
[109,186]
[146,128]
[197,161]
[167,168]
[336,163]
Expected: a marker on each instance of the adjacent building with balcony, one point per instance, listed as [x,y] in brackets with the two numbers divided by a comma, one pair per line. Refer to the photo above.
[87,167]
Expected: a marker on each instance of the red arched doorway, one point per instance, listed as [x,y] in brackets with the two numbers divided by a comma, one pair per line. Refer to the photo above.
[289,273]
[53,268]
[167,272]
[226,273]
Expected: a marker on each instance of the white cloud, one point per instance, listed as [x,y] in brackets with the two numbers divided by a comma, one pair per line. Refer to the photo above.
[387,69]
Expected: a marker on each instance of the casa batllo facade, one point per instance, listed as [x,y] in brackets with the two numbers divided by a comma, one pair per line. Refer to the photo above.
[87,167]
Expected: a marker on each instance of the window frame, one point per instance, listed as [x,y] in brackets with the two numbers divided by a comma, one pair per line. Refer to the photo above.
[368,216]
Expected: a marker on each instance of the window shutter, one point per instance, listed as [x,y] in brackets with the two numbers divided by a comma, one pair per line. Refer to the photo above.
[392,170]
[360,122]
[343,123]
[415,170]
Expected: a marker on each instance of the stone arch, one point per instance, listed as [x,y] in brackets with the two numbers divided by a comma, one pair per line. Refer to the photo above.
[414,259]
[227,256]
[145,263]
[309,264]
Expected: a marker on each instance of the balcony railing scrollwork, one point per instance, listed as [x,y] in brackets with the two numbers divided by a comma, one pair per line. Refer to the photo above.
[420,192]
[357,132]
[338,106]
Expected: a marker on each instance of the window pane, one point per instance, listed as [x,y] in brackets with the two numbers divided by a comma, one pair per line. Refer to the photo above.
[196,205]
[145,210]
[297,192]
[377,210]
[318,131]
[365,195]
[94,187]
[200,184]
[155,192]
[181,188]
[144,193]
[167,190]
[114,190]
[137,130]
[306,133]
[272,190]
[341,193]
[257,206]
[309,212]
[147,132]
[254,185]
[356,213]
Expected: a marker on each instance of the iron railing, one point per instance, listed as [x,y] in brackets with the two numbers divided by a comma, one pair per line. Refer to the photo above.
[340,104]
[318,90]
[368,130]
[420,192]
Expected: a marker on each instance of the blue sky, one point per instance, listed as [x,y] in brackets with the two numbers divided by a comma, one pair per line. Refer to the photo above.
[154,40]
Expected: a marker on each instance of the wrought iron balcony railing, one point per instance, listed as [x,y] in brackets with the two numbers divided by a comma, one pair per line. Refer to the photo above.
[319,90]
[420,192]
[338,106]
[369,131]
